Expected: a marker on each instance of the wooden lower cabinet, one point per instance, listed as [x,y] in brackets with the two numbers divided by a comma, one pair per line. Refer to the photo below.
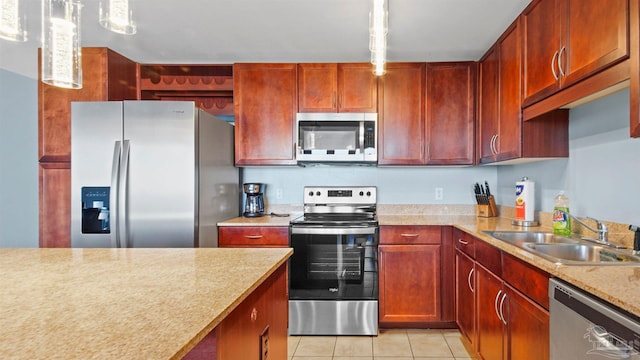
[465,295]
[416,276]
[257,327]
[528,328]
[510,325]
[409,283]
[253,236]
[491,329]
[55,204]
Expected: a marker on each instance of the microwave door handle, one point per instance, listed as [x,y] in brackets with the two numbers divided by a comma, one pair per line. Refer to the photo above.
[361,137]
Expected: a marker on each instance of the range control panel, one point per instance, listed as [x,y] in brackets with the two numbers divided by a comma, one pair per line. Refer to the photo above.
[340,194]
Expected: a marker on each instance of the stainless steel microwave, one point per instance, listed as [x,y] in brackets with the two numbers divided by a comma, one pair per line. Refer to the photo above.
[337,138]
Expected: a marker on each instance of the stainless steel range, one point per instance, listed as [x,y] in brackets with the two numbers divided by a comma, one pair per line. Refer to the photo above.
[333,273]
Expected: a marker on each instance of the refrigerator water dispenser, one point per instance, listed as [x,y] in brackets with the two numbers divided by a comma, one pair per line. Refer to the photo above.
[95,210]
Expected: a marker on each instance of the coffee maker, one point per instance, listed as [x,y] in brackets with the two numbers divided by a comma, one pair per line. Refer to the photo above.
[254,200]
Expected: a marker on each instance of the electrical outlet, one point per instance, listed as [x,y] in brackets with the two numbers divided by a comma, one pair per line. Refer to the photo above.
[264,344]
[439,193]
[279,194]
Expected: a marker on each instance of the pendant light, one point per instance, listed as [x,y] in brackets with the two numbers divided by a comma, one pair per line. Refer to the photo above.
[61,56]
[117,16]
[13,20]
[378,28]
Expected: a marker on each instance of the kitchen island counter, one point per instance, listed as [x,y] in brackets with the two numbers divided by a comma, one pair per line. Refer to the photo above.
[122,303]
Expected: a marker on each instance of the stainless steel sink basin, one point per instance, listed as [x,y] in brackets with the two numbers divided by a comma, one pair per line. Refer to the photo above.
[531,237]
[565,250]
[582,253]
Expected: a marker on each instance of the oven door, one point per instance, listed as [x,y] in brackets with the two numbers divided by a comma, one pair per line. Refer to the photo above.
[333,263]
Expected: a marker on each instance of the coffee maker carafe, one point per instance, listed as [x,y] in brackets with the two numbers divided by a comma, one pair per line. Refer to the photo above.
[254,201]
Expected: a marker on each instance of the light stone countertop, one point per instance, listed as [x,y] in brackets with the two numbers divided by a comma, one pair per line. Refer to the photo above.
[122,303]
[619,285]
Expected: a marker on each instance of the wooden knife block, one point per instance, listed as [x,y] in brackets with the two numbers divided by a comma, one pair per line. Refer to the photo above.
[490,210]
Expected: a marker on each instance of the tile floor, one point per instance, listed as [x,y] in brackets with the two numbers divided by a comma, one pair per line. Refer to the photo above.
[389,344]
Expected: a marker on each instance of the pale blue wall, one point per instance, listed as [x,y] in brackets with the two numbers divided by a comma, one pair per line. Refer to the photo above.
[601,175]
[18,160]
[396,185]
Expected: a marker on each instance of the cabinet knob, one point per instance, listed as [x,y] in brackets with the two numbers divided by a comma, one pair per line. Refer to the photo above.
[254,314]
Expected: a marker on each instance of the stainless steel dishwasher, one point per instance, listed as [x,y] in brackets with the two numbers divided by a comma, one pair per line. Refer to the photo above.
[585,327]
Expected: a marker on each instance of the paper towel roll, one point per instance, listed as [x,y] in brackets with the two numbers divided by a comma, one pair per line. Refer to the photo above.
[525,199]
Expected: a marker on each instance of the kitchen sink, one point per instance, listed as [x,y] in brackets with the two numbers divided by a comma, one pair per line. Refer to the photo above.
[519,237]
[582,253]
[565,250]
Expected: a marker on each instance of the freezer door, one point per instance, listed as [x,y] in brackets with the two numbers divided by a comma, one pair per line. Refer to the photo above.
[160,187]
[96,134]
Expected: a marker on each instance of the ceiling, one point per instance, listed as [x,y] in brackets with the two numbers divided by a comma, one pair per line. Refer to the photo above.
[228,31]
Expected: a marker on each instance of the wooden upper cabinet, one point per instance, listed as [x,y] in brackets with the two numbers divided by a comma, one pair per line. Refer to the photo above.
[265,101]
[357,88]
[500,123]
[450,113]
[329,87]
[508,141]
[488,115]
[427,114]
[401,106]
[566,41]
[107,75]
[317,87]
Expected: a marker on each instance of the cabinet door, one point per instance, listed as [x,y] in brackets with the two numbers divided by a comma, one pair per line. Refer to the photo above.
[490,326]
[239,334]
[265,101]
[401,105]
[465,296]
[450,113]
[357,88]
[55,204]
[253,236]
[488,105]
[542,22]
[317,87]
[509,138]
[597,36]
[528,324]
[409,283]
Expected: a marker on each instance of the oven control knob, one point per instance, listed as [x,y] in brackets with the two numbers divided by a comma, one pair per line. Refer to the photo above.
[361,193]
[368,193]
[317,193]
[310,193]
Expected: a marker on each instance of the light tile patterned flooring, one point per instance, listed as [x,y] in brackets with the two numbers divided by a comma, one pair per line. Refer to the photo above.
[397,344]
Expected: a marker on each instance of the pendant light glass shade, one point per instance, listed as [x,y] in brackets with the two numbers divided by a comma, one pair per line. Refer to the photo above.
[61,55]
[117,16]
[13,20]
[378,28]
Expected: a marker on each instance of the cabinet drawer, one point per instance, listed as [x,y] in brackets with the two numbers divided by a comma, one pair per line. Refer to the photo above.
[527,279]
[402,234]
[253,236]
[464,242]
[488,256]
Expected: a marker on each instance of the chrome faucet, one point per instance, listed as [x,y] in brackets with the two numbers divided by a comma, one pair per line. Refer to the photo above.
[602,231]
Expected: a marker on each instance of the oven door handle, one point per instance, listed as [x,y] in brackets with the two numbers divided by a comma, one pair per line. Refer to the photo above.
[334,231]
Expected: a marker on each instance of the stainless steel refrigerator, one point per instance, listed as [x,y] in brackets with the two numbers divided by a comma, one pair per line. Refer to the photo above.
[150,174]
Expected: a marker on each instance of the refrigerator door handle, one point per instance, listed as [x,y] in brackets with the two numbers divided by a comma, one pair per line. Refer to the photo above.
[123,225]
[113,195]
